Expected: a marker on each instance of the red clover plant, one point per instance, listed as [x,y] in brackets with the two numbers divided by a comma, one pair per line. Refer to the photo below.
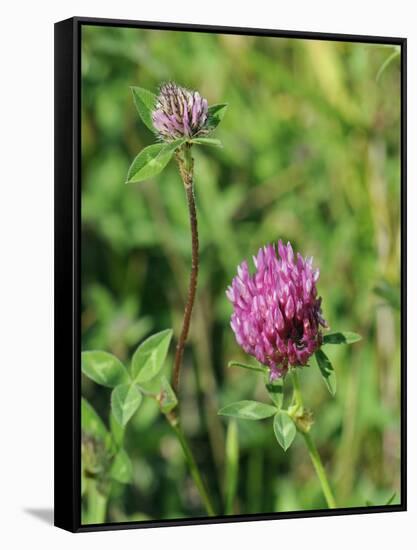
[277,319]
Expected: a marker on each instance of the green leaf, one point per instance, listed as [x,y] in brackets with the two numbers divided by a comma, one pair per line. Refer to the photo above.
[327,371]
[215,114]
[166,398]
[90,420]
[276,391]
[117,431]
[145,102]
[149,358]
[208,141]
[256,368]
[152,160]
[121,469]
[284,429]
[92,424]
[103,368]
[125,400]
[341,338]
[248,410]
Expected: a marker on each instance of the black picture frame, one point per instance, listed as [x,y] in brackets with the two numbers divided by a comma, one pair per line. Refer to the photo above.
[67,271]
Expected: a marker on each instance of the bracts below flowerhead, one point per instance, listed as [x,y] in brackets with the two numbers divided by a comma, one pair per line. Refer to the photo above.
[277,313]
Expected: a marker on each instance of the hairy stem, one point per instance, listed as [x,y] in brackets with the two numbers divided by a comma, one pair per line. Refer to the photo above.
[204,369]
[186,166]
[311,446]
[192,464]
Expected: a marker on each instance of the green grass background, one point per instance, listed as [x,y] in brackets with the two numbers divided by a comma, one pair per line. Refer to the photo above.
[311,155]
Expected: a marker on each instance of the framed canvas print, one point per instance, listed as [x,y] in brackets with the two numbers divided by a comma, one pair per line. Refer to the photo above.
[230,274]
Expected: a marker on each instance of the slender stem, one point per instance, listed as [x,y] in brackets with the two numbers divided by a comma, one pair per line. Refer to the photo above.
[232,466]
[320,471]
[297,396]
[186,166]
[312,449]
[192,464]
[96,504]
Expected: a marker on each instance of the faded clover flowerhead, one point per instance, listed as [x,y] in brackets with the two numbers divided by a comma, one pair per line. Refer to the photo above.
[180,113]
[277,314]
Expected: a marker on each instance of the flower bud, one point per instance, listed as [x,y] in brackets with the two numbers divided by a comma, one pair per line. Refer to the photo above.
[179,113]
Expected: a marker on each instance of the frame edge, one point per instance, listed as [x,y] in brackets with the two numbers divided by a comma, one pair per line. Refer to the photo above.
[66,447]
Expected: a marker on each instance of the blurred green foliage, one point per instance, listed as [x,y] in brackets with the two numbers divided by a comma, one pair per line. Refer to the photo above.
[311,155]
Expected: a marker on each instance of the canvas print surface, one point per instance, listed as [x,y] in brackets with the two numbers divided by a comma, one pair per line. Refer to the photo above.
[240,274]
